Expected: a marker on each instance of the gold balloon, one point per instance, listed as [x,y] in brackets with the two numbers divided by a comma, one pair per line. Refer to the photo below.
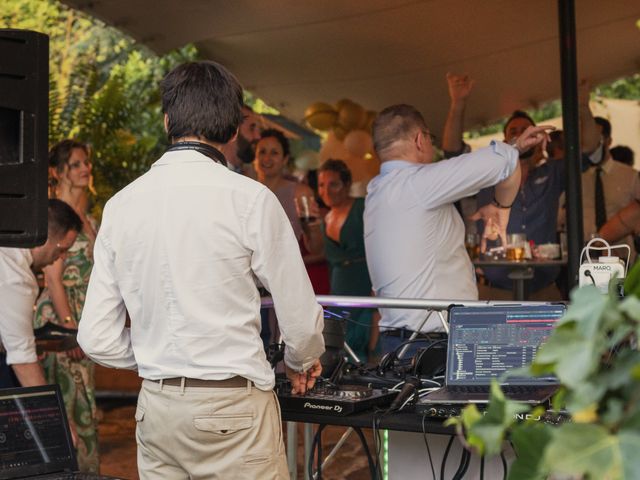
[368,124]
[320,115]
[352,116]
[342,102]
[339,131]
[358,143]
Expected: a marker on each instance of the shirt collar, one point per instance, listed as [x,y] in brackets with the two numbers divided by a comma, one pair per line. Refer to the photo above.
[185,156]
[391,165]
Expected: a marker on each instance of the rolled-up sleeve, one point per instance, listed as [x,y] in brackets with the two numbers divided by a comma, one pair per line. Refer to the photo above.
[277,262]
[16,327]
[102,333]
[450,180]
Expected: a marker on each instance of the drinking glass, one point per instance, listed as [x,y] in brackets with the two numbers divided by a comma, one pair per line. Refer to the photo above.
[516,246]
[306,208]
[472,244]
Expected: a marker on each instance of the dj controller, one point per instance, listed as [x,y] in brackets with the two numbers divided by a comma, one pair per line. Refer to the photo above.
[329,399]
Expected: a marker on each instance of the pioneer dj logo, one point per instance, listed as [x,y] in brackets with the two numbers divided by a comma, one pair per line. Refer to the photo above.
[314,406]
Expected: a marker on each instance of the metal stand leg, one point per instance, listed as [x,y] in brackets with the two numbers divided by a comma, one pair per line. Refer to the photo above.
[335,449]
[292,449]
[308,442]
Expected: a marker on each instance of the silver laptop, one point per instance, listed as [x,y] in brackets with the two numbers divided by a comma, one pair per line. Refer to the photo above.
[486,342]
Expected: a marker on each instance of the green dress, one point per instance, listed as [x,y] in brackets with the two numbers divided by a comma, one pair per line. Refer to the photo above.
[349,275]
[76,378]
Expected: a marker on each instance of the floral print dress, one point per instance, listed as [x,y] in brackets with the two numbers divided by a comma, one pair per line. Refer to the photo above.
[76,378]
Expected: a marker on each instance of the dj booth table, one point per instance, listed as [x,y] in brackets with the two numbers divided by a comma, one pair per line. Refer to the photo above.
[404,461]
[403,442]
[400,421]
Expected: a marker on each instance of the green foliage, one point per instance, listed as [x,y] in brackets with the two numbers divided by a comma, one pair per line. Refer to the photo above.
[593,353]
[103,89]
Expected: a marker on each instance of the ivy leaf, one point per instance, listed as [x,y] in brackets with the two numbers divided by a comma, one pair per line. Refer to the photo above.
[587,305]
[529,442]
[629,448]
[489,431]
[583,449]
[575,355]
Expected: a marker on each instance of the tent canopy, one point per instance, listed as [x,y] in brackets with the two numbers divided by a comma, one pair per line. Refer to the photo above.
[381,52]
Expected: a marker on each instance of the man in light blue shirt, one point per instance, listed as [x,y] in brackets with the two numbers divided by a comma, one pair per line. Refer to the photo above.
[414,237]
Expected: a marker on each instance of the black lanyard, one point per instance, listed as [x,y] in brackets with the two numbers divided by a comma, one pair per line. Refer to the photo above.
[203,148]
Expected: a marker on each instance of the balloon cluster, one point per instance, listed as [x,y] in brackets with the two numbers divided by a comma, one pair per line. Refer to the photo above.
[347,122]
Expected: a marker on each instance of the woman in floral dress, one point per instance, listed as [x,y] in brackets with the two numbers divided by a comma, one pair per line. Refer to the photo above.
[63,297]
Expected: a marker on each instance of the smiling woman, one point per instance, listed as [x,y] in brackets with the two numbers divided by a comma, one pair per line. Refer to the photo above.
[62,299]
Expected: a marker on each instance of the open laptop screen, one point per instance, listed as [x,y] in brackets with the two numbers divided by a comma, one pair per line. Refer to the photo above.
[485,342]
[34,434]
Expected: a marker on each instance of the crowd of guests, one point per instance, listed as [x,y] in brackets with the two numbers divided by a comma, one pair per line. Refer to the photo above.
[402,241]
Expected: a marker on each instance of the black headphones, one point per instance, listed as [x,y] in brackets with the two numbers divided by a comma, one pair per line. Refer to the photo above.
[203,148]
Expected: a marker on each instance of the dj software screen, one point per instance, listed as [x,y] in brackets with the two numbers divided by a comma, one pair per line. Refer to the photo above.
[487,342]
[32,433]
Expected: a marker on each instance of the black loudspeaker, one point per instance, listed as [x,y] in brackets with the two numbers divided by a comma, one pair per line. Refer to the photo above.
[24,104]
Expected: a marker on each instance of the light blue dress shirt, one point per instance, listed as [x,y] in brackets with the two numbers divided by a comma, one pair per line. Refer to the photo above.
[414,237]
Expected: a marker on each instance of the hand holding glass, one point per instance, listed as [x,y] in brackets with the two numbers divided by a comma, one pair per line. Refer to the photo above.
[307,209]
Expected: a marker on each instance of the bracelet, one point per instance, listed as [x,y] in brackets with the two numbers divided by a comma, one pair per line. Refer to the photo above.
[67,319]
[499,205]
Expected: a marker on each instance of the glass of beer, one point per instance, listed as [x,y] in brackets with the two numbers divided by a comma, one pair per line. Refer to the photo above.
[516,246]
[306,208]
[472,244]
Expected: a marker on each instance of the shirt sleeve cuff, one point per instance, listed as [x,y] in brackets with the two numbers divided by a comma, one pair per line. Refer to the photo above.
[23,353]
[508,152]
[298,366]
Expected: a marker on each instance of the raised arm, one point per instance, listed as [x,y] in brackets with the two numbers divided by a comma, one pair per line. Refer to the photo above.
[496,214]
[590,137]
[459,89]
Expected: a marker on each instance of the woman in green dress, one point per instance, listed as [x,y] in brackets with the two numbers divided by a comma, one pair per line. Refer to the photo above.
[343,234]
[63,297]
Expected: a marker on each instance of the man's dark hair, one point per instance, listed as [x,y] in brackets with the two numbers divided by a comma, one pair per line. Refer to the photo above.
[514,115]
[605,125]
[394,123]
[60,153]
[62,218]
[202,99]
[339,167]
[279,136]
[623,154]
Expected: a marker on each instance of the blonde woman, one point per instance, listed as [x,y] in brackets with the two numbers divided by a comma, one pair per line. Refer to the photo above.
[62,299]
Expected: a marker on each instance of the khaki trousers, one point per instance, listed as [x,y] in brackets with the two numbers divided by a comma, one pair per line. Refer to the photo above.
[209,433]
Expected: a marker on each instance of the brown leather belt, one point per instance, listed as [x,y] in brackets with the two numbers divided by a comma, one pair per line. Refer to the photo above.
[233,382]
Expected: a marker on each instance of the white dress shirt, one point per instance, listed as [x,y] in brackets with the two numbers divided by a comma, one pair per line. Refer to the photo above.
[18,292]
[621,186]
[180,248]
[414,237]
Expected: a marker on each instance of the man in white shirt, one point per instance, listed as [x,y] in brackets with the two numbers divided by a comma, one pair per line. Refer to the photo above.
[619,184]
[180,249]
[414,237]
[18,290]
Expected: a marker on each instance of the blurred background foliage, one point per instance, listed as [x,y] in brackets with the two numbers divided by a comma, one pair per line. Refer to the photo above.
[103,90]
